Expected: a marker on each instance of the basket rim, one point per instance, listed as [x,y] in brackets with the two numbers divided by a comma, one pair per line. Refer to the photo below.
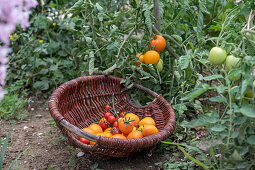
[54,110]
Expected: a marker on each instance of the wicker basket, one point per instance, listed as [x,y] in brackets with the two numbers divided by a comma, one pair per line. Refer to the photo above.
[78,103]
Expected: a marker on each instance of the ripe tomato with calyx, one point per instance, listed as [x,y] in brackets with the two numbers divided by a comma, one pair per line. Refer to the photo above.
[107,114]
[134,119]
[121,114]
[107,107]
[217,55]
[125,126]
[103,123]
[151,57]
[159,43]
[109,129]
[115,131]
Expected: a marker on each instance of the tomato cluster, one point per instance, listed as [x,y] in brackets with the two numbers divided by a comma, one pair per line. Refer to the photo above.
[122,126]
[152,56]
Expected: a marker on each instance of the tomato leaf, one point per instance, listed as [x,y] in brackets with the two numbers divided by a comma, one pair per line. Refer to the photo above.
[218,128]
[251,140]
[197,92]
[219,99]
[217,76]
[248,110]
[184,61]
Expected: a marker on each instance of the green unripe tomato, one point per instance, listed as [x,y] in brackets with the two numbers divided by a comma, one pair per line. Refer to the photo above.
[217,55]
[232,62]
[160,65]
[234,78]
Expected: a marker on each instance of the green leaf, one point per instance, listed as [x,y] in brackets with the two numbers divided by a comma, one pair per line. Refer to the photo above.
[41,85]
[217,76]
[219,99]
[236,156]
[180,108]
[72,161]
[251,139]
[4,147]
[218,128]
[234,134]
[147,16]
[196,92]
[248,110]
[184,61]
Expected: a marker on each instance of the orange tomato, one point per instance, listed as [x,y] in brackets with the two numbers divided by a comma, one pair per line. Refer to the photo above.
[120,136]
[147,121]
[101,134]
[96,128]
[134,119]
[141,128]
[149,130]
[108,134]
[109,129]
[125,126]
[159,43]
[89,131]
[151,57]
[135,134]
[140,57]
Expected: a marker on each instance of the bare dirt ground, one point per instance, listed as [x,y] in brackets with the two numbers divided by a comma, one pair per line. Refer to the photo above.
[48,149]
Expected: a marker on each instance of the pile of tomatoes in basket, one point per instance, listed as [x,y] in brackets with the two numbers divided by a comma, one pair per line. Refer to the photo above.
[122,126]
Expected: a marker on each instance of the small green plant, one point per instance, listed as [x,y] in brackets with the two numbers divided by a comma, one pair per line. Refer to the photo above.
[4,149]
[14,102]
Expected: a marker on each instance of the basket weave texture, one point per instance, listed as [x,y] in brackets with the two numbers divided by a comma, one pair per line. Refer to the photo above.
[82,101]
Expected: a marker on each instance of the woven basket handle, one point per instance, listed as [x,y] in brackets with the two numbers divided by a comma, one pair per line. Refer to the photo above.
[78,131]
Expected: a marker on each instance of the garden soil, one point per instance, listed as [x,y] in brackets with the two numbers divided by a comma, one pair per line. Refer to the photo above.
[46,148]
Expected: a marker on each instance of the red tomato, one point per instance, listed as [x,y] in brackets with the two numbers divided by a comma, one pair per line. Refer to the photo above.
[103,123]
[116,131]
[111,119]
[122,114]
[83,140]
[115,124]
[107,115]
[108,107]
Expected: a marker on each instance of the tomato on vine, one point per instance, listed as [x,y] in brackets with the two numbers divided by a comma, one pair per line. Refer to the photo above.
[159,43]
[217,55]
[141,59]
[111,119]
[107,115]
[115,131]
[115,124]
[103,123]
[107,107]
[151,57]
